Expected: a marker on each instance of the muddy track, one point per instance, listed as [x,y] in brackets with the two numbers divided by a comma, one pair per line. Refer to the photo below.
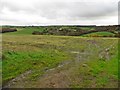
[58,77]
[19,78]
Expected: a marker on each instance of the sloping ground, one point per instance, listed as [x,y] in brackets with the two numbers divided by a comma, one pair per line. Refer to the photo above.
[81,62]
[77,31]
[25,30]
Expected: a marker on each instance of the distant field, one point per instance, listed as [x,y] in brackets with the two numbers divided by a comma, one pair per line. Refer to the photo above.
[100,34]
[30,30]
[26,31]
[58,61]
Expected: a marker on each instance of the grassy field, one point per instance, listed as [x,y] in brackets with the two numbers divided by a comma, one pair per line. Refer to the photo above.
[58,61]
[26,30]
[101,34]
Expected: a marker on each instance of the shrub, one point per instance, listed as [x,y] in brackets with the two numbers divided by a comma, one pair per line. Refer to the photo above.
[4,30]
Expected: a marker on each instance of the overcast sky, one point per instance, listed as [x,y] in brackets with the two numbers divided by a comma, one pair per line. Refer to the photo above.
[58,12]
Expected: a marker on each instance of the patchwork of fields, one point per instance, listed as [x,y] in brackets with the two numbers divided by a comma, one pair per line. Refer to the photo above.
[40,61]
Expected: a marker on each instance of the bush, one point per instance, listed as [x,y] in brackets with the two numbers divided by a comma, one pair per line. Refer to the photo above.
[37,33]
[4,30]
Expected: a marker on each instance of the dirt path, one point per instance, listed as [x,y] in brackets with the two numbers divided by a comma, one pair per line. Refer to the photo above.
[58,77]
[61,76]
[20,78]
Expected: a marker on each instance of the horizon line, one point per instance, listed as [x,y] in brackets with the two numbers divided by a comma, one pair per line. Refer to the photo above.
[63,25]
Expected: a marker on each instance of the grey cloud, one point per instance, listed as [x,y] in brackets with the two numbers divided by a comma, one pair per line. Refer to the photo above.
[64,11]
[78,10]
